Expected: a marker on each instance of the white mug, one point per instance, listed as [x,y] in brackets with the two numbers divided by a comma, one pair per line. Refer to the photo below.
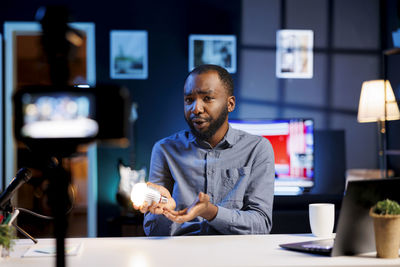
[322,219]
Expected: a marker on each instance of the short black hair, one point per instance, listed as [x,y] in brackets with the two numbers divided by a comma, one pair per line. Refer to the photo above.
[223,75]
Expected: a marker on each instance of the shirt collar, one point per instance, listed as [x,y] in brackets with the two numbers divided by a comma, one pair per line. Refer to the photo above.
[230,136]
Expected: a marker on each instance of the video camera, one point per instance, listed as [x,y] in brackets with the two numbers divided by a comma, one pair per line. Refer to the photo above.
[59,116]
[53,120]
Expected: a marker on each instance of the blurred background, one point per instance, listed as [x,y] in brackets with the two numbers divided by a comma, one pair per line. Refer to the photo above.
[349,39]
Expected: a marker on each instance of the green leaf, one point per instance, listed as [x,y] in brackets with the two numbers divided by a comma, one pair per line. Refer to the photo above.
[387,207]
[7,236]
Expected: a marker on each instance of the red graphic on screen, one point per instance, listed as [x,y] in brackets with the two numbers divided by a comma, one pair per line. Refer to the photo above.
[279,144]
[292,142]
[290,151]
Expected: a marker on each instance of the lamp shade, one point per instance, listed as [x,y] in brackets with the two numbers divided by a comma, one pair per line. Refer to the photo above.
[372,102]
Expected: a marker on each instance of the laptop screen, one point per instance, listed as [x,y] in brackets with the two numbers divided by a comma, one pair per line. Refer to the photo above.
[355,230]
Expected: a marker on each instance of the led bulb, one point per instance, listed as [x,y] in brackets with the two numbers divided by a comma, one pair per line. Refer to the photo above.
[141,193]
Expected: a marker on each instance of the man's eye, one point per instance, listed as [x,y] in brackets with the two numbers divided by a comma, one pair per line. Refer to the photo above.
[207,98]
[188,100]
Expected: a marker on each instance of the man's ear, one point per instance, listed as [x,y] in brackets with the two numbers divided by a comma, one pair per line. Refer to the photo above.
[231,103]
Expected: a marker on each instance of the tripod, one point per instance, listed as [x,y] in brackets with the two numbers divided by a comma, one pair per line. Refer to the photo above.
[13,213]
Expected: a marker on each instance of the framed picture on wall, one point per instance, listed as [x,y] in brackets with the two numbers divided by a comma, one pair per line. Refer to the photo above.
[129,59]
[212,49]
[294,54]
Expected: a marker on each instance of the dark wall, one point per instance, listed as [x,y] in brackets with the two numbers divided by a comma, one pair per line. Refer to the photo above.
[347,52]
[158,98]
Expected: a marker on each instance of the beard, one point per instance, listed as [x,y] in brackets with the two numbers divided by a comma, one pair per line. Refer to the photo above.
[214,125]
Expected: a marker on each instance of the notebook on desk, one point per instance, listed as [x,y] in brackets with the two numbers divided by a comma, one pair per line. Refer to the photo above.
[354,231]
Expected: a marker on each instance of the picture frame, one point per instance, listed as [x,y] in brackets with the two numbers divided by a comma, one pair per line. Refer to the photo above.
[128,54]
[212,49]
[294,54]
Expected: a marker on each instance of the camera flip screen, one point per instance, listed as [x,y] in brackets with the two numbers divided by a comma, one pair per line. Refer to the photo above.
[58,115]
[61,117]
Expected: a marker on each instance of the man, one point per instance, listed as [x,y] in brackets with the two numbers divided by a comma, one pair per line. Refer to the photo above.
[220,180]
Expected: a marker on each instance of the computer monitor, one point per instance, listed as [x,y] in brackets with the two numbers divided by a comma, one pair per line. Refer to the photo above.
[293,144]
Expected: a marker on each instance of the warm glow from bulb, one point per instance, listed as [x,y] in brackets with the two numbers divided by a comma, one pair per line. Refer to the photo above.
[139,259]
[372,102]
[138,193]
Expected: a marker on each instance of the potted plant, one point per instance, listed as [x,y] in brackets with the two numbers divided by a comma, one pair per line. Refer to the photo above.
[7,236]
[386,216]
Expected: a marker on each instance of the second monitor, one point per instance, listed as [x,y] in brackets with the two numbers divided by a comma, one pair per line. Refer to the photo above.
[293,144]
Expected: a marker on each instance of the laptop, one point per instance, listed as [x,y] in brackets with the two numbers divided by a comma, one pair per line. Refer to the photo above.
[355,230]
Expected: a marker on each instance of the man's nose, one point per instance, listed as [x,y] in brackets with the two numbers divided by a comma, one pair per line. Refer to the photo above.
[197,107]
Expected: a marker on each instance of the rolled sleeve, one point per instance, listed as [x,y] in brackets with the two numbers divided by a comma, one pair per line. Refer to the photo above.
[156,225]
[239,222]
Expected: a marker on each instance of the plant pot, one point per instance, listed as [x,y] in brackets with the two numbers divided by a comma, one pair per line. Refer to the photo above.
[387,234]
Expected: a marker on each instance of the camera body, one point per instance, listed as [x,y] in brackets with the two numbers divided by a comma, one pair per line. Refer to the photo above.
[56,117]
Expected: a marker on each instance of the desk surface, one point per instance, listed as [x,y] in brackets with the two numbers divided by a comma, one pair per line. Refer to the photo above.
[251,250]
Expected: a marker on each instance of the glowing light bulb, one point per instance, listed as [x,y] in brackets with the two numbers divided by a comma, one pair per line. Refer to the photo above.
[141,193]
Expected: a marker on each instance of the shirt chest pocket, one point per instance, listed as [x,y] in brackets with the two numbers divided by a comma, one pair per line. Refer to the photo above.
[233,184]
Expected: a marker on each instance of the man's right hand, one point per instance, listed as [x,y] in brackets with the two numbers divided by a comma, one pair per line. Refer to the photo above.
[157,208]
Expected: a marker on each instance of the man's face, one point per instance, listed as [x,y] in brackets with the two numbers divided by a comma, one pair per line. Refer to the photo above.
[206,105]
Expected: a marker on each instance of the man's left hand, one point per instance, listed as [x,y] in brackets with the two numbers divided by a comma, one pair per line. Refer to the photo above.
[200,207]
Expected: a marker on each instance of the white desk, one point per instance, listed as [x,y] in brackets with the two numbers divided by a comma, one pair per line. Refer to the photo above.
[253,250]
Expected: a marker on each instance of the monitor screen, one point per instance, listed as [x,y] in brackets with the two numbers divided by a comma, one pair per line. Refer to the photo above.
[293,144]
[58,115]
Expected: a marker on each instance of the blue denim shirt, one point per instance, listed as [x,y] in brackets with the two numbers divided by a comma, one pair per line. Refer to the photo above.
[238,174]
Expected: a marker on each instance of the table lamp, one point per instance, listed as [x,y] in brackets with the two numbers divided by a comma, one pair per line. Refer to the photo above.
[378,104]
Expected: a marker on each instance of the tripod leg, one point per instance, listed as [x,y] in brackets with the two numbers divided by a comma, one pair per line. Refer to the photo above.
[22,231]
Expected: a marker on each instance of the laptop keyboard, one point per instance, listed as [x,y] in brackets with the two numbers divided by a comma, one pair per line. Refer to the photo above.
[317,247]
